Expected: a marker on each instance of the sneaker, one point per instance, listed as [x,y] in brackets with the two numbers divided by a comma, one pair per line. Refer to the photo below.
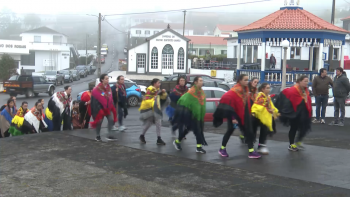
[200,150]
[142,139]
[315,121]
[263,149]
[115,128]
[122,128]
[177,145]
[254,155]
[323,121]
[111,138]
[333,123]
[300,146]
[293,147]
[223,152]
[341,124]
[160,141]
[242,139]
[98,138]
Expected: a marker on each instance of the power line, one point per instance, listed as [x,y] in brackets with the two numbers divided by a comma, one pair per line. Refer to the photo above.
[178,10]
[114,27]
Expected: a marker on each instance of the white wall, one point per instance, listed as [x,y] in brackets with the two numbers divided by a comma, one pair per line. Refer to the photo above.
[188,32]
[222,74]
[29,37]
[160,45]
[132,56]
[59,60]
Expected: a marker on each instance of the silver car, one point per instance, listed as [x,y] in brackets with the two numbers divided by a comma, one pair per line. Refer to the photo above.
[54,76]
[76,75]
[68,75]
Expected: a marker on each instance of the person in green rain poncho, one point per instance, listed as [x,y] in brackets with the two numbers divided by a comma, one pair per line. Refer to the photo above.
[189,115]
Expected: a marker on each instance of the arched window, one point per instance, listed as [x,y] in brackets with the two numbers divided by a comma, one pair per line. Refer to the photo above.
[168,57]
[154,58]
[181,59]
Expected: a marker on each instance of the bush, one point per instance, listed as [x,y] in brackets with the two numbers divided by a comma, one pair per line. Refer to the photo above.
[8,67]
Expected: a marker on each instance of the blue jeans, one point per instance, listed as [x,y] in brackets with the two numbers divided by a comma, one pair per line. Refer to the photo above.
[321,100]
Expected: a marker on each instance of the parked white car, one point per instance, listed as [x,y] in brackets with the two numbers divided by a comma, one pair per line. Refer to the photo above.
[213,92]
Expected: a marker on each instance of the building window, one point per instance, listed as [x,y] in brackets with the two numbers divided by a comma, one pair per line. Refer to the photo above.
[141,61]
[295,52]
[223,52]
[335,54]
[37,38]
[181,59]
[28,60]
[138,31]
[235,52]
[57,39]
[255,56]
[154,58]
[168,57]
[155,32]
[147,32]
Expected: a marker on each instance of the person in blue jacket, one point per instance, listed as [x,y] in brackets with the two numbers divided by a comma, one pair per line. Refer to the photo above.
[119,99]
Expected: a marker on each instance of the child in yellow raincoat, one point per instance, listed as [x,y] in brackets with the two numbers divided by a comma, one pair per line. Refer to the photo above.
[151,108]
[264,113]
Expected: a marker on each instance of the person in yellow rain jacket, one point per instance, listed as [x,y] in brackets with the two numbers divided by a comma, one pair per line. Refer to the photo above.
[151,108]
[264,114]
[17,121]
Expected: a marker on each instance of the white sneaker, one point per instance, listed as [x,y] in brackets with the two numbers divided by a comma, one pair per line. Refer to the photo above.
[315,121]
[122,128]
[263,150]
[323,121]
[115,128]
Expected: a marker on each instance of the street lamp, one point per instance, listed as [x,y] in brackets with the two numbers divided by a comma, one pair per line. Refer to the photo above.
[285,45]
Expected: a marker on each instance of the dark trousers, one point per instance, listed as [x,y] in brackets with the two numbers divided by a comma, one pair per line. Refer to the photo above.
[339,103]
[248,139]
[120,115]
[57,122]
[183,132]
[321,101]
[293,131]
[264,131]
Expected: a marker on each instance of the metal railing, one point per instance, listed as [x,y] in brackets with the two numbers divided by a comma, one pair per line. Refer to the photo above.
[52,43]
[214,65]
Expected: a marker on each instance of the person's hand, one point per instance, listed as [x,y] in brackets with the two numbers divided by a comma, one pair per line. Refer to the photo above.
[234,121]
[116,89]
[271,110]
[89,102]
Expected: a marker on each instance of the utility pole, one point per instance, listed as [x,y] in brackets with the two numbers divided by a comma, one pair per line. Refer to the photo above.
[128,40]
[330,48]
[183,33]
[99,46]
[86,50]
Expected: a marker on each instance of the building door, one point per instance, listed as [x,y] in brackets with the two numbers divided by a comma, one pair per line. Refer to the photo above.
[277,52]
[168,60]
[141,63]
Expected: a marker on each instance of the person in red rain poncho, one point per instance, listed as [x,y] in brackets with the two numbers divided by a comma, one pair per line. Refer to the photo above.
[102,105]
[85,109]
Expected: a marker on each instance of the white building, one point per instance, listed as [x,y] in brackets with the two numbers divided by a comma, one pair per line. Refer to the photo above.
[48,50]
[226,30]
[164,53]
[15,49]
[144,30]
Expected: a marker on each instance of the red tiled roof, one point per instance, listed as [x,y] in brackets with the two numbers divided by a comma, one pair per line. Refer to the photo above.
[207,40]
[292,20]
[160,25]
[228,27]
[346,18]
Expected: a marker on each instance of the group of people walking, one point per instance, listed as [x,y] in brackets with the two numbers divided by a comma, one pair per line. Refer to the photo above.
[244,106]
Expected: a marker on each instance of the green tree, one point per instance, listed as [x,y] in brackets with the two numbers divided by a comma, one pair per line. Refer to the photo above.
[7,66]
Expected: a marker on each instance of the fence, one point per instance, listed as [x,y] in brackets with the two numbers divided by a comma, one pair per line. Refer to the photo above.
[275,76]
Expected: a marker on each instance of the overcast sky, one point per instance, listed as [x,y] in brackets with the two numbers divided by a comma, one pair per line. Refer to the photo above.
[120,6]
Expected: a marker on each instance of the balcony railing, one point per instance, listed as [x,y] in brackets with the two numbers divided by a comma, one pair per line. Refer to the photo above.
[52,43]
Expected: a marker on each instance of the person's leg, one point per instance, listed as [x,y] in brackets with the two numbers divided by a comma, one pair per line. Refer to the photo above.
[98,130]
[292,132]
[336,110]
[262,148]
[227,136]
[182,134]
[341,102]
[87,121]
[120,115]
[324,108]
[110,120]
[147,124]
[199,139]
[318,107]
[158,124]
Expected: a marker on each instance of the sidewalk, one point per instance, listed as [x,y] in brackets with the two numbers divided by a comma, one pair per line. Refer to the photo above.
[70,163]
